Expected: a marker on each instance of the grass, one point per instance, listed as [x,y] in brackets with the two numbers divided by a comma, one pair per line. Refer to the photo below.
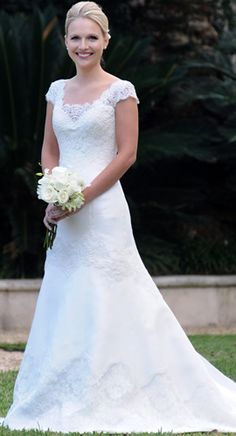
[218,349]
[12,347]
[48,433]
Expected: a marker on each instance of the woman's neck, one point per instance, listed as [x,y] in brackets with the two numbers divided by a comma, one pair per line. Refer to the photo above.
[86,76]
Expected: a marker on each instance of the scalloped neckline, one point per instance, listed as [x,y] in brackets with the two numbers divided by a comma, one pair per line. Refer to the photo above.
[87,103]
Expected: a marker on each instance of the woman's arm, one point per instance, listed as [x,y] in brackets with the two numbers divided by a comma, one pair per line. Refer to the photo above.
[50,149]
[50,159]
[126,123]
[127,141]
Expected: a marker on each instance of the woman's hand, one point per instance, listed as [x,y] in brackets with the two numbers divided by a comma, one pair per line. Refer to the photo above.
[53,214]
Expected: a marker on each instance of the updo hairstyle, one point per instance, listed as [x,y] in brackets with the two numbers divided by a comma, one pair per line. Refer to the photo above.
[88,10]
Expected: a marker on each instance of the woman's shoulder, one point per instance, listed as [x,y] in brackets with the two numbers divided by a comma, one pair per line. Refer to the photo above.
[117,80]
[111,79]
[57,83]
[123,89]
[53,89]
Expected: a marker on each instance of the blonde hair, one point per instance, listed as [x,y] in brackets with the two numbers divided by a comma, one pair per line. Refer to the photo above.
[88,10]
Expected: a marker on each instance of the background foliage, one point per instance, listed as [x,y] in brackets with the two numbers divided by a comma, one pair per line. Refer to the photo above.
[181,57]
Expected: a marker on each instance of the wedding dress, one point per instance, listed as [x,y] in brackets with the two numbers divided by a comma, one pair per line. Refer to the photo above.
[105,352]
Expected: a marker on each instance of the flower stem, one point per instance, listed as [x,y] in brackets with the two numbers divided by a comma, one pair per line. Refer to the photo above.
[49,237]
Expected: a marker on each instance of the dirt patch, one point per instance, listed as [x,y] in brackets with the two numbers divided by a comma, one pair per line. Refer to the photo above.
[13,337]
[10,360]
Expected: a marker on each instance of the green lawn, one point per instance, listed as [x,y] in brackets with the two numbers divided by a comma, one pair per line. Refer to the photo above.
[12,347]
[218,349]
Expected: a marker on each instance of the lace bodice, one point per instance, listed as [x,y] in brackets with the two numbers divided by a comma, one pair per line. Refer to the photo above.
[87,142]
[86,132]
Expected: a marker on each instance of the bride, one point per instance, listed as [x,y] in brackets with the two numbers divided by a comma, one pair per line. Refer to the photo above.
[105,353]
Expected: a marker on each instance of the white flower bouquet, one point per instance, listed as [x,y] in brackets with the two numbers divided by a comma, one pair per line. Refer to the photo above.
[63,188]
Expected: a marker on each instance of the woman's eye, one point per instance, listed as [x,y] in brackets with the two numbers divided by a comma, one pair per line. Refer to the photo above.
[93,37]
[75,37]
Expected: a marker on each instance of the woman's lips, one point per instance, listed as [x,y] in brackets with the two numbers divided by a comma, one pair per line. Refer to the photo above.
[84,55]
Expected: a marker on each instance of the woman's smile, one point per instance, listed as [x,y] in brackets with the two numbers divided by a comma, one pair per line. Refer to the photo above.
[84,55]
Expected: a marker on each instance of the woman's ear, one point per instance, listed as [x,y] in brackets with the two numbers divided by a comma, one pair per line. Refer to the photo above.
[65,38]
[106,42]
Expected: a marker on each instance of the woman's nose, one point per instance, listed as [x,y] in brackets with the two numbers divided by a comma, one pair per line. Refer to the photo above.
[83,43]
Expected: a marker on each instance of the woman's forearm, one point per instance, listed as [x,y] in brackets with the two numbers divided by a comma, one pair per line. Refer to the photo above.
[49,160]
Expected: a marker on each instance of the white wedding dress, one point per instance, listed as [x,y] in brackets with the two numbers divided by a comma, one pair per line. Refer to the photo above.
[105,353]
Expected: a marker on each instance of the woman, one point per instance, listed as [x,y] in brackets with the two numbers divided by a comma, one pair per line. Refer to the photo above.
[105,353]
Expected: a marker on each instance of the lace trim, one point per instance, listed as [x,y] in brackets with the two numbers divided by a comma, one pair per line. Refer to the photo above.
[85,399]
[123,91]
[53,91]
[75,111]
[90,103]
[118,90]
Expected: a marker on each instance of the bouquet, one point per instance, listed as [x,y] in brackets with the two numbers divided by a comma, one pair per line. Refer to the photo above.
[63,188]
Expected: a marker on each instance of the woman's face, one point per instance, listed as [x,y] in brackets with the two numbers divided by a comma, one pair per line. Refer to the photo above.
[85,42]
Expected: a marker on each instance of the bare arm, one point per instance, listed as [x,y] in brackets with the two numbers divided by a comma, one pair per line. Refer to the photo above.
[50,150]
[50,159]
[127,140]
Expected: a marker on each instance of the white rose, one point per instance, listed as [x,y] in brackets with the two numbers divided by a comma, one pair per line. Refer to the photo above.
[59,185]
[74,187]
[43,180]
[48,194]
[62,197]
[60,174]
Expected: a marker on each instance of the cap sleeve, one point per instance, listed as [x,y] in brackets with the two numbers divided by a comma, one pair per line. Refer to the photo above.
[124,90]
[52,92]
